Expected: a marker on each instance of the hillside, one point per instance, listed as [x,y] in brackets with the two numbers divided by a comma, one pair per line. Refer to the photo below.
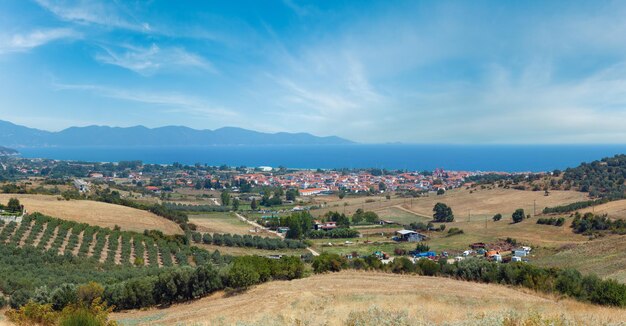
[602,178]
[94,136]
[330,299]
[95,213]
[483,203]
[603,257]
[488,202]
[4,151]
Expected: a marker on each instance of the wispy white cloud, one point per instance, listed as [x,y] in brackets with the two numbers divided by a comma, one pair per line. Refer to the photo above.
[172,102]
[96,12]
[25,41]
[300,10]
[147,61]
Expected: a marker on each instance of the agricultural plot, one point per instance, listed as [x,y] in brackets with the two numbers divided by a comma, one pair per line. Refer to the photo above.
[220,223]
[111,247]
[95,213]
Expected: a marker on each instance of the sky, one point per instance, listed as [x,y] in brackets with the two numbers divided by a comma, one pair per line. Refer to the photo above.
[467,72]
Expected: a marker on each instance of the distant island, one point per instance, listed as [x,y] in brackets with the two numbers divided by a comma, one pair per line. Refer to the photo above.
[5,151]
[99,136]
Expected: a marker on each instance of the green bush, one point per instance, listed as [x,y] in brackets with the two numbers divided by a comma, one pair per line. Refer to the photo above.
[328,262]
[242,276]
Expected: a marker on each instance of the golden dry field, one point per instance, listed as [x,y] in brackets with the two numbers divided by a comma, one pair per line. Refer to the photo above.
[225,223]
[480,203]
[605,257]
[484,203]
[95,213]
[614,209]
[331,299]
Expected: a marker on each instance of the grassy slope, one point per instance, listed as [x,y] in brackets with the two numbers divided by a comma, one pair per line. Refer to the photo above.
[95,213]
[329,299]
[482,202]
[605,257]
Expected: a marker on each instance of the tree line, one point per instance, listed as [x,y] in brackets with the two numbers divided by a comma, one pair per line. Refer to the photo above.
[551,221]
[247,241]
[590,223]
[575,206]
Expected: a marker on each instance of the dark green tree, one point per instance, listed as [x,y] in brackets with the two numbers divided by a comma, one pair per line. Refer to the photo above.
[14,206]
[225,196]
[518,215]
[442,213]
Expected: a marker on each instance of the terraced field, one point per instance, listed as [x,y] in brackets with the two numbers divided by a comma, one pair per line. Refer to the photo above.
[102,244]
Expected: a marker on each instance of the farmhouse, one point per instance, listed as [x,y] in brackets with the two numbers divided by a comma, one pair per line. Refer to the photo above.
[409,236]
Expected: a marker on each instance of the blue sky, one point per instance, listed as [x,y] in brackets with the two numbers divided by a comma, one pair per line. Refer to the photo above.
[370,71]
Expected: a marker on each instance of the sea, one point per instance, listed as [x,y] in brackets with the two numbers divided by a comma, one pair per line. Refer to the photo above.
[412,157]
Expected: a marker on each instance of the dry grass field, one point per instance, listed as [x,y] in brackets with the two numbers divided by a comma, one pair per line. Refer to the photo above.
[481,203]
[614,209]
[401,215]
[605,257]
[95,213]
[486,230]
[330,299]
[224,223]
[488,202]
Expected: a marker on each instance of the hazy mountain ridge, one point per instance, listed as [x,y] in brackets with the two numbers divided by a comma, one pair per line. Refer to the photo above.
[13,135]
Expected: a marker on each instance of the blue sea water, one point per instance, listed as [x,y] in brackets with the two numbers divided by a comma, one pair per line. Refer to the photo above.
[511,158]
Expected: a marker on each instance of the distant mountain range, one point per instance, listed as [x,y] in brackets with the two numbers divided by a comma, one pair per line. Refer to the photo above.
[16,136]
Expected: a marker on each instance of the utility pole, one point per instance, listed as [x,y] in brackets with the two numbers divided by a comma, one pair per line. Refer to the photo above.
[534,208]
[469,215]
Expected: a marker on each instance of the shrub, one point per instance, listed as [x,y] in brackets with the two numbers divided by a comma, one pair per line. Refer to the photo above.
[19,298]
[242,276]
[327,262]
[422,247]
[454,231]
[428,267]
[64,295]
[497,217]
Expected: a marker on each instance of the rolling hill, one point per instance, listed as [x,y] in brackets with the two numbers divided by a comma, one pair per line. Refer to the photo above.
[339,298]
[97,136]
[4,151]
[95,213]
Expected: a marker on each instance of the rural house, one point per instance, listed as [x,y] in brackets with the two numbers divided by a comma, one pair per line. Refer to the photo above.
[409,236]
